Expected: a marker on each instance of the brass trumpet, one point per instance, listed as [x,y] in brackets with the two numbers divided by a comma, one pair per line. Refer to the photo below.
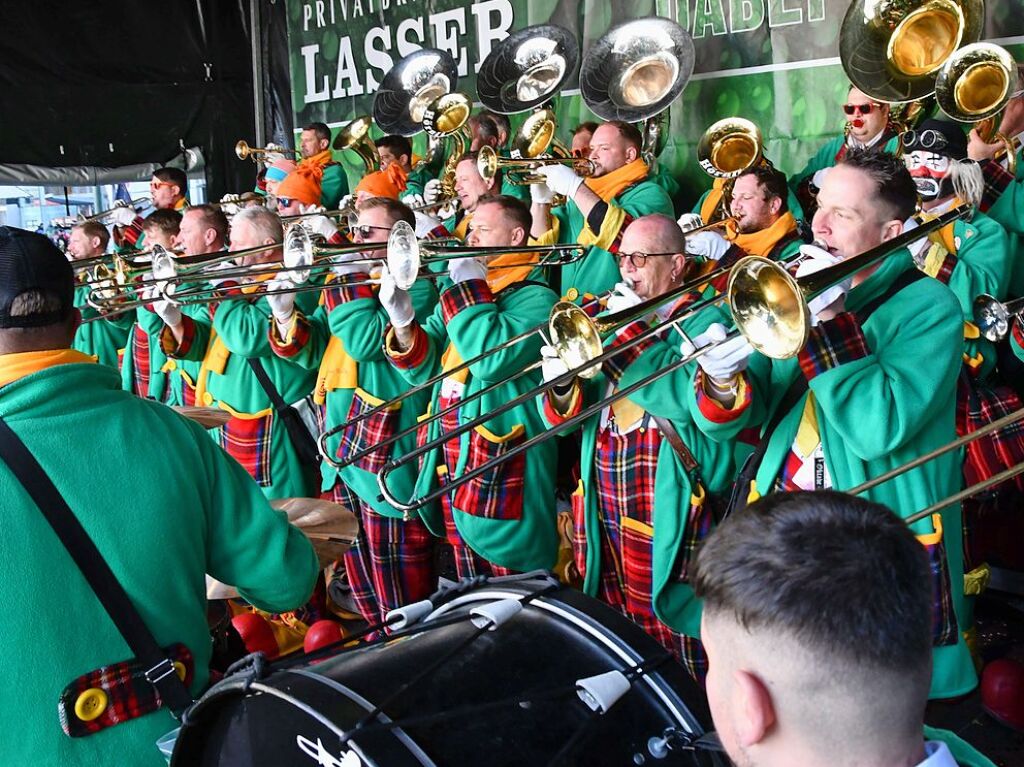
[245,152]
[488,164]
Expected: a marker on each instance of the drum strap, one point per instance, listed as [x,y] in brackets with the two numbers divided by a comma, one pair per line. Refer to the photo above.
[161,673]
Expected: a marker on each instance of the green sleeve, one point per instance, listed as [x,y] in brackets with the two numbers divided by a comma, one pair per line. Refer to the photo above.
[333,186]
[436,339]
[252,546]
[1016,334]
[983,261]
[484,326]
[963,752]
[309,355]
[700,202]
[1008,210]
[201,328]
[361,323]
[645,199]
[877,403]
[242,326]
[823,158]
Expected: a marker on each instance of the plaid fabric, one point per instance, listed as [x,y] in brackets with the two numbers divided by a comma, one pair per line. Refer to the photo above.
[340,291]
[467,563]
[978,405]
[401,557]
[732,255]
[626,465]
[832,343]
[247,440]
[439,232]
[616,366]
[785,482]
[616,243]
[414,357]
[173,348]
[946,268]
[698,526]
[997,178]
[579,530]
[463,294]
[1018,332]
[944,624]
[498,492]
[715,412]
[188,393]
[130,234]
[140,361]
[448,424]
[289,347]
[356,561]
[366,433]
[129,694]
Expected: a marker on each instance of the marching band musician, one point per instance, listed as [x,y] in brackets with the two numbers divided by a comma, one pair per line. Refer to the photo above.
[315,147]
[581,136]
[276,173]
[176,531]
[258,436]
[470,188]
[874,387]
[168,189]
[103,339]
[391,563]
[142,367]
[764,224]
[620,179]
[644,501]
[398,149]
[505,520]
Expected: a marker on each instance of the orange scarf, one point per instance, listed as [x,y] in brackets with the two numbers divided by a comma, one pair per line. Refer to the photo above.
[318,160]
[610,184]
[14,367]
[710,204]
[760,243]
[510,268]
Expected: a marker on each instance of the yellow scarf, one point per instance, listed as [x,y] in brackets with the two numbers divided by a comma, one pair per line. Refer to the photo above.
[14,367]
[707,208]
[761,243]
[609,185]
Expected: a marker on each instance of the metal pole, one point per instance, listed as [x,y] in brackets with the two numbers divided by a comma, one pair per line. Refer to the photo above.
[257,71]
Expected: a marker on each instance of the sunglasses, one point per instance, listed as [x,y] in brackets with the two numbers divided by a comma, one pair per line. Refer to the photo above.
[158,184]
[864,109]
[285,202]
[365,230]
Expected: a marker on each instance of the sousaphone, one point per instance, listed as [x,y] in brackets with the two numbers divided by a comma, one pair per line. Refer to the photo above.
[635,71]
[410,87]
[892,51]
[527,68]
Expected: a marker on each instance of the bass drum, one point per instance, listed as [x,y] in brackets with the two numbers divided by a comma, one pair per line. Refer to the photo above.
[510,671]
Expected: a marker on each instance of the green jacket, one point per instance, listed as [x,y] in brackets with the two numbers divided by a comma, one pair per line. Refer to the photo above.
[417,179]
[357,322]
[598,272]
[674,602]
[151,325]
[877,412]
[333,186]
[521,534]
[102,339]
[241,329]
[1008,210]
[965,754]
[182,373]
[826,158]
[123,479]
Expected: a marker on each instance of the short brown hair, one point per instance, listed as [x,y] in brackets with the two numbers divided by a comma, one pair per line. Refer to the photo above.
[94,229]
[629,132]
[174,176]
[167,221]
[589,127]
[213,218]
[397,211]
[772,182]
[512,207]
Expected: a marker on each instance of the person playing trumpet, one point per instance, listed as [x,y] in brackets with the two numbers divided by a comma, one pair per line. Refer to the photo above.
[620,179]
[874,386]
[258,435]
[168,188]
[505,520]
[649,476]
[103,339]
[391,563]
[315,147]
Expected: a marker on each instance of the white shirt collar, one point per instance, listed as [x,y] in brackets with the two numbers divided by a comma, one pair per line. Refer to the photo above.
[867,144]
[937,754]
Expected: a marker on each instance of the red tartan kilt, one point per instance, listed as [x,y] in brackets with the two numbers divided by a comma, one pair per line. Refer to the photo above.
[247,440]
[367,433]
[579,530]
[979,405]
[698,526]
[636,567]
[498,493]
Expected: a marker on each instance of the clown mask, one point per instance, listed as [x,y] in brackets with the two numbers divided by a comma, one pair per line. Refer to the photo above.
[930,171]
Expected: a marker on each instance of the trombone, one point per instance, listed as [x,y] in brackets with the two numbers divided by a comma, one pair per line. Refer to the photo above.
[137,205]
[769,308]
[994,317]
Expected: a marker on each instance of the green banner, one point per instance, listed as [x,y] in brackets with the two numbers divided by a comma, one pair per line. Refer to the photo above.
[772,61]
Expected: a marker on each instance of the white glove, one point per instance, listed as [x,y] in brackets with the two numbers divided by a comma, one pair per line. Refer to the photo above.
[552,366]
[413,200]
[689,221]
[727,359]
[819,178]
[122,213]
[282,305]
[396,302]
[710,245]
[320,225]
[561,179]
[350,263]
[432,191]
[814,259]
[167,311]
[230,204]
[464,269]
[314,208]
[541,194]
[622,297]
[348,201]
[425,224]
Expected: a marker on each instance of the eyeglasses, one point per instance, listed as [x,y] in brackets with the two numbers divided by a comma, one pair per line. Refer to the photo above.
[864,109]
[638,260]
[364,230]
[158,184]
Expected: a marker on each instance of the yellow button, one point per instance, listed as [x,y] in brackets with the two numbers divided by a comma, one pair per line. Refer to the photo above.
[179,669]
[91,704]
[207,398]
[572,294]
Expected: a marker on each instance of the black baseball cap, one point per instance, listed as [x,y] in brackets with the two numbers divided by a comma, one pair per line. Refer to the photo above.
[29,261]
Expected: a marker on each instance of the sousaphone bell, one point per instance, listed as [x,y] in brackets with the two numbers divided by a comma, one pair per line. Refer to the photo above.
[527,68]
[410,87]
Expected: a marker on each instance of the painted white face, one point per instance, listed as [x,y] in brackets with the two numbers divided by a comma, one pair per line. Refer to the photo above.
[928,170]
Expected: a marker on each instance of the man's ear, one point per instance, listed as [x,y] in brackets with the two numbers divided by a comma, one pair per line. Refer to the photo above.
[632,153]
[753,707]
[775,205]
[891,229]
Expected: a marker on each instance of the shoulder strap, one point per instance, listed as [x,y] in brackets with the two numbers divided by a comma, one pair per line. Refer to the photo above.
[267,385]
[160,671]
[675,440]
[796,390]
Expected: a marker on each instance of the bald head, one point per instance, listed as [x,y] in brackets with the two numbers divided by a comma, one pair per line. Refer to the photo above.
[652,275]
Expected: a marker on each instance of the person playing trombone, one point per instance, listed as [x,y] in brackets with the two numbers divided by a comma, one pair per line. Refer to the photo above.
[503,520]
[391,563]
[644,501]
[874,386]
[259,435]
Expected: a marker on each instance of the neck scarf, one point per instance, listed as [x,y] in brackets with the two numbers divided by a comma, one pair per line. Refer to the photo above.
[14,367]
[609,185]
[760,243]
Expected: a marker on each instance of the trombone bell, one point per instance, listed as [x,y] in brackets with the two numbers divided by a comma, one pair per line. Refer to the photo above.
[575,337]
[768,307]
[991,317]
[403,255]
